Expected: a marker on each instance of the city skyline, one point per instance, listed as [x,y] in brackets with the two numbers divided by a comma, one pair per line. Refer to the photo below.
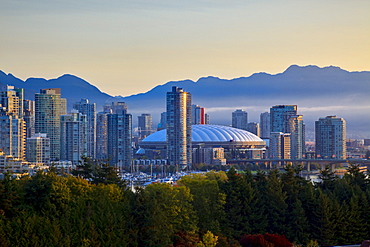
[126,47]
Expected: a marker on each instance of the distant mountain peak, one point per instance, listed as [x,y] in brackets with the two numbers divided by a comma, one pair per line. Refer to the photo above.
[207,78]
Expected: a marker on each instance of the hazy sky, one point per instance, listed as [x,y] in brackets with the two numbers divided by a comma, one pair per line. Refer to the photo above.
[126,47]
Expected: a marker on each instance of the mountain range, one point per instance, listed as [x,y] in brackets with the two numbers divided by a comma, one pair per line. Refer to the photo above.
[318,92]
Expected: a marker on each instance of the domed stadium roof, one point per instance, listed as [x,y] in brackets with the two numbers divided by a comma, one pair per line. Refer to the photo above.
[207,133]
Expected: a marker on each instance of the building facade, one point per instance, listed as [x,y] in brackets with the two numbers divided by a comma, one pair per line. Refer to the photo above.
[199,115]
[254,128]
[89,110]
[74,137]
[102,136]
[297,136]
[38,149]
[179,127]
[279,145]
[145,123]
[279,116]
[12,134]
[49,106]
[265,125]
[29,117]
[119,142]
[240,119]
[330,138]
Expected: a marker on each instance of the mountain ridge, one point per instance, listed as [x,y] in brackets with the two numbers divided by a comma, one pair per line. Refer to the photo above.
[318,91]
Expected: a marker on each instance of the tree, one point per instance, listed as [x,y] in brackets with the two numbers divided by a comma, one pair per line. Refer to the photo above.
[10,196]
[240,202]
[274,203]
[328,179]
[356,177]
[208,200]
[161,211]
[208,240]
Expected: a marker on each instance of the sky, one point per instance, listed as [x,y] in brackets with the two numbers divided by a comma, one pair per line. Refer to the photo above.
[128,47]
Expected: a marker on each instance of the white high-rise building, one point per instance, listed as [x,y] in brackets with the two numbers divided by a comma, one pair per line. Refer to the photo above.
[179,127]
[330,138]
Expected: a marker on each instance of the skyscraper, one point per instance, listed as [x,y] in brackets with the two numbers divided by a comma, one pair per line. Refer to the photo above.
[48,108]
[12,126]
[88,109]
[240,119]
[116,107]
[145,123]
[102,136]
[10,100]
[330,138]
[119,128]
[38,149]
[74,134]
[279,116]
[254,128]
[297,136]
[12,134]
[163,121]
[179,127]
[280,145]
[265,125]
[198,114]
[29,117]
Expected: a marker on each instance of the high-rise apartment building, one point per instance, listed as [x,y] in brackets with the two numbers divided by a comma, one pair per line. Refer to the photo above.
[240,119]
[102,136]
[254,128]
[330,138]
[73,140]
[279,145]
[279,116]
[12,126]
[12,134]
[284,118]
[116,107]
[88,109]
[179,127]
[162,122]
[265,125]
[114,135]
[297,136]
[119,142]
[49,106]
[206,118]
[145,123]
[38,149]
[199,115]
[29,117]
[12,100]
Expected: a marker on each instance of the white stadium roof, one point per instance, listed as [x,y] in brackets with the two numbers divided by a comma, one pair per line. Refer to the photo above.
[210,133]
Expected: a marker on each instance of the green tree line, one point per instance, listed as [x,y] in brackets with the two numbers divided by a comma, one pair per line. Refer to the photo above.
[95,208]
